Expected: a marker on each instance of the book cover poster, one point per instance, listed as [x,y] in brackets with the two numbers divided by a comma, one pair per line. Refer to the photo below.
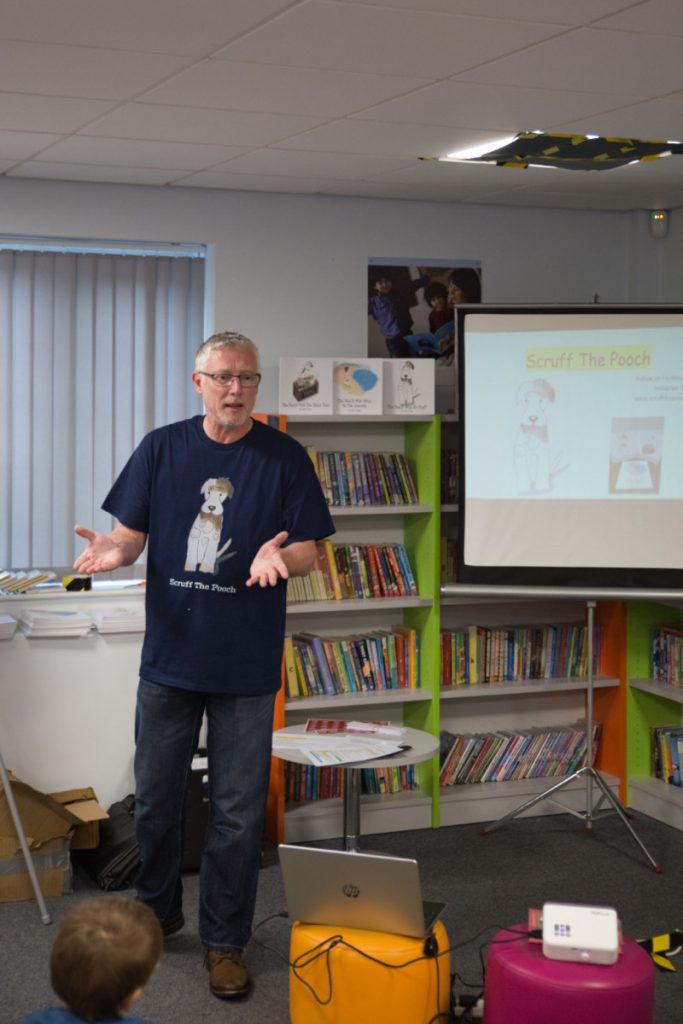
[409,387]
[305,387]
[358,387]
[411,306]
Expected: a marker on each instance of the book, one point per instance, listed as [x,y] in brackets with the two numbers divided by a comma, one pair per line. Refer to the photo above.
[291,679]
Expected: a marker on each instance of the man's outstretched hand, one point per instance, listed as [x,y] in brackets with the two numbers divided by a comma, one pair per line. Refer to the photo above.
[102,553]
[268,565]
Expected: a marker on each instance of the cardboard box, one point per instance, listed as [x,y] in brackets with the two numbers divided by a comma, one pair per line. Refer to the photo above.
[52,862]
[82,803]
[53,823]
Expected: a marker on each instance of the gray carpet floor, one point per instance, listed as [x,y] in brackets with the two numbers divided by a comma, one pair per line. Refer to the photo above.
[488,882]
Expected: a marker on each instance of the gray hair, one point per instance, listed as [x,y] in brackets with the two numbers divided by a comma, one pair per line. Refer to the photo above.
[225,339]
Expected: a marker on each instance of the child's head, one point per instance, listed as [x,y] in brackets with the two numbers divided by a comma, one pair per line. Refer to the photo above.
[383,284]
[464,285]
[104,953]
[436,294]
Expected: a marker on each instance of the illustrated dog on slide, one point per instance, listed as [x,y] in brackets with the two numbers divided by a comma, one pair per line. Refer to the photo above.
[535,462]
[205,534]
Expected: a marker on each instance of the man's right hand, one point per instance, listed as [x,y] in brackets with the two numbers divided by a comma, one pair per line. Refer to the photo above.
[108,551]
[101,555]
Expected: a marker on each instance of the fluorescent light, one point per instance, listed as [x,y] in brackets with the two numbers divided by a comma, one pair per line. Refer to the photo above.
[476,151]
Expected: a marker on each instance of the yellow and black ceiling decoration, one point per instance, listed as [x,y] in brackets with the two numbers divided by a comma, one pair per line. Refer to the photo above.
[573,152]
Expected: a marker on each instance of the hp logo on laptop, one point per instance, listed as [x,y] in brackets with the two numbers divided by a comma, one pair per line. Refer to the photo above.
[352,891]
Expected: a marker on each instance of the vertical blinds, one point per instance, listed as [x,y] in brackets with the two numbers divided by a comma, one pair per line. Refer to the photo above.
[95,351]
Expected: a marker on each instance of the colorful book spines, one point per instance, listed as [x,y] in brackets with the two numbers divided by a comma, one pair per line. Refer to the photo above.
[506,756]
[355,571]
[479,654]
[350,479]
[381,660]
[304,782]
[667,655]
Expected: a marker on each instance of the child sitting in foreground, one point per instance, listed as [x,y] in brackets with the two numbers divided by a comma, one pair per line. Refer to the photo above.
[104,954]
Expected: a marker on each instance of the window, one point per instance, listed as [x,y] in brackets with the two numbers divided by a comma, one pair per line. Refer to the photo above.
[96,348]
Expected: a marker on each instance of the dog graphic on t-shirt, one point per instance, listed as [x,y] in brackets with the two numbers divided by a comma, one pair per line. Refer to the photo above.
[203,553]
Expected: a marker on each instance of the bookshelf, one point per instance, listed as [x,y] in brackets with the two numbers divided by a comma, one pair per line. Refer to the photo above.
[483,707]
[650,703]
[416,526]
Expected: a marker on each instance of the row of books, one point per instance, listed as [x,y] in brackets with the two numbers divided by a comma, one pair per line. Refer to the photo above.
[449,476]
[481,654]
[19,581]
[667,654]
[506,756]
[380,660]
[304,782]
[346,571]
[667,753]
[364,478]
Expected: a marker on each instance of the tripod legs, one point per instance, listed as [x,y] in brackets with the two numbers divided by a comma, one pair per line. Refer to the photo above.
[591,774]
[14,811]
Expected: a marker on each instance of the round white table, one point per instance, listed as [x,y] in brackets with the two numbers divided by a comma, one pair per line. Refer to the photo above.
[419,746]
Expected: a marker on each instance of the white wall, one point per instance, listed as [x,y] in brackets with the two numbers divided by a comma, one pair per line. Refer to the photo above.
[291,272]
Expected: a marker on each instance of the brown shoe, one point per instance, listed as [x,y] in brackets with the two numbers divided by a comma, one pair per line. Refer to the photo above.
[228,974]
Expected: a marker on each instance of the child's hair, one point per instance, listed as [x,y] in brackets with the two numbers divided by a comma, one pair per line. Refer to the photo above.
[105,949]
[435,290]
[468,281]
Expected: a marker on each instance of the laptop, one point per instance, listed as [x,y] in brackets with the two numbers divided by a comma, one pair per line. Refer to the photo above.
[356,890]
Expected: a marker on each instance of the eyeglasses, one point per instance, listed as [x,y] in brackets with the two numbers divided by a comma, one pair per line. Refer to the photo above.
[224,380]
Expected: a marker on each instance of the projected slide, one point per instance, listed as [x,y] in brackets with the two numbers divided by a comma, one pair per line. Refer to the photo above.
[572,433]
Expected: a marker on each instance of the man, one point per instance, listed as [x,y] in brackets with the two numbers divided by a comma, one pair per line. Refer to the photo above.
[229,509]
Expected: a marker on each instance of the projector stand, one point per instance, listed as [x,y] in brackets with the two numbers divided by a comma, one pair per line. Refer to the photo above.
[588,772]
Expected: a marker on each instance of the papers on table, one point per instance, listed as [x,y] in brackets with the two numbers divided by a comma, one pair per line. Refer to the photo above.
[38,623]
[341,748]
[7,626]
[119,620]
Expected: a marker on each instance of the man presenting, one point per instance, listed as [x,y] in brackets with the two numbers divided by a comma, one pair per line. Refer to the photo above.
[229,509]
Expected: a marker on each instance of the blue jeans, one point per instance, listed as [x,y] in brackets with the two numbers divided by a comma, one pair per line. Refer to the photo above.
[239,738]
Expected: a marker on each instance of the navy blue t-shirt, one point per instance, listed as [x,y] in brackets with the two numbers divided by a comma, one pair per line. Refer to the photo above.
[207,508]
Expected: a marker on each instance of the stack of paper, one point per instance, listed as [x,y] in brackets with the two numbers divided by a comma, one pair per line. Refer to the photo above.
[7,626]
[37,623]
[18,582]
[119,620]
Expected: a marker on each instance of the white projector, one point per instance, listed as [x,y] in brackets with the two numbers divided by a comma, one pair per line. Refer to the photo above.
[586,934]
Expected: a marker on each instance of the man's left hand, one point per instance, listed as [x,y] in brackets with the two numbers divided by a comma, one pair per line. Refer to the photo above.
[268,565]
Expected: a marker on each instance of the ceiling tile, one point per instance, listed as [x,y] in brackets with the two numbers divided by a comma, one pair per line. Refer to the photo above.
[86,172]
[21,112]
[347,37]
[401,140]
[184,124]
[134,153]
[230,85]
[469,104]
[78,71]
[291,163]
[586,59]
[662,16]
[255,182]
[21,145]
[652,120]
[157,26]
[557,12]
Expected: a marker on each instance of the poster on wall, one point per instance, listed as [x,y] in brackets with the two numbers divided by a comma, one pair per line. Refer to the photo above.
[411,306]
